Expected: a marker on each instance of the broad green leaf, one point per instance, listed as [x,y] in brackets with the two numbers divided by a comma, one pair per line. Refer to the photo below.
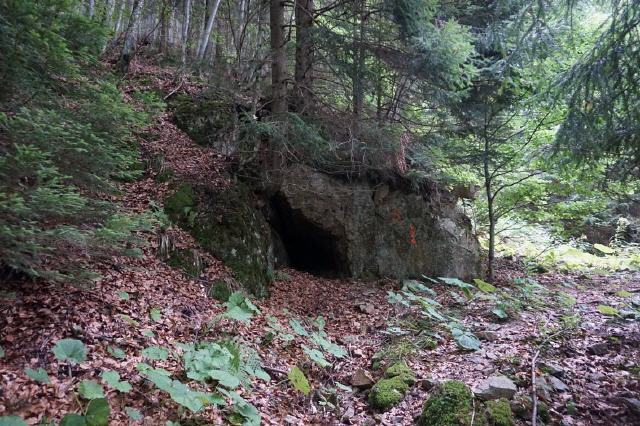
[133,414]
[465,339]
[484,286]
[316,356]
[156,353]
[603,249]
[155,314]
[319,322]
[73,419]
[299,380]
[298,328]
[123,295]
[90,389]
[415,285]
[112,379]
[12,421]
[500,313]
[344,387]
[1,352]
[71,350]
[116,352]
[624,293]
[608,310]
[98,412]
[148,333]
[40,375]
[250,415]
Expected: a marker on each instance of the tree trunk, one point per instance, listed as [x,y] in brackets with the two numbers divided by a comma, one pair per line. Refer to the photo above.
[123,7]
[490,211]
[111,7]
[128,48]
[279,59]
[358,66]
[304,54]
[185,32]
[91,11]
[207,32]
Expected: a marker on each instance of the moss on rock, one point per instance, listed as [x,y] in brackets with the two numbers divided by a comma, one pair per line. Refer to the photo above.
[226,224]
[388,392]
[499,413]
[188,261]
[450,405]
[401,369]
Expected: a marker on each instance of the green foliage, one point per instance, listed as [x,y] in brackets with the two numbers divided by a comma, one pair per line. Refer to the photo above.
[499,413]
[112,379]
[608,310]
[157,353]
[226,363]
[90,389]
[240,308]
[155,314]
[465,339]
[299,380]
[133,414]
[71,350]
[40,375]
[73,419]
[123,295]
[98,412]
[388,392]
[12,421]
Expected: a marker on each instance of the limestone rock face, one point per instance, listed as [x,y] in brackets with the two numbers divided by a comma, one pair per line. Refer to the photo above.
[367,231]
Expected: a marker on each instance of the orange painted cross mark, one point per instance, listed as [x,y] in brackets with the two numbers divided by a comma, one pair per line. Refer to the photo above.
[396,216]
[412,235]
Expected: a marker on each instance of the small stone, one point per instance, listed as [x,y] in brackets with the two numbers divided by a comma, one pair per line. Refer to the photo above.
[291,420]
[489,336]
[633,404]
[348,414]
[558,384]
[496,387]
[552,368]
[427,383]
[362,379]
[367,308]
[598,349]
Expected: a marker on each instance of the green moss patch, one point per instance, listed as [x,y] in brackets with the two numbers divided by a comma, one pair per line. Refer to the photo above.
[401,369]
[188,261]
[220,291]
[499,413]
[450,405]
[391,389]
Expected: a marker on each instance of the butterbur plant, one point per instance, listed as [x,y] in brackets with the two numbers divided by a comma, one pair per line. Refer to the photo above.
[72,351]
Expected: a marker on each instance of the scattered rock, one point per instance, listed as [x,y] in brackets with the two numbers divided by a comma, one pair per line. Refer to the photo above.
[632,403]
[598,349]
[489,336]
[367,308]
[348,414]
[496,387]
[450,405]
[362,379]
[427,383]
[552,368]
[558,384]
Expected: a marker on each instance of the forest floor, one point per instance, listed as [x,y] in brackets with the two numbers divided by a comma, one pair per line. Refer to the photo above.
[596,356]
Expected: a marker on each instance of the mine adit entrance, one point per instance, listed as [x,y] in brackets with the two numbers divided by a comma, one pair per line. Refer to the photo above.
[308,247]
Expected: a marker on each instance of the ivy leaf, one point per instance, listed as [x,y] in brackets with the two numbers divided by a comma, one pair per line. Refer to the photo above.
[12,421]
[133,414]
[40,375]
[484,286]
[112,379]
[123,295]
[299,380]
[316,356]
[156,353]
[73,419]
[98,412]
[155,314]
[90,389]
[608,310]
[116,352]
[71,350]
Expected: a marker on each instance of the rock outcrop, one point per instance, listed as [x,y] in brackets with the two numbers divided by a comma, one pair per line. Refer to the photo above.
[366,231]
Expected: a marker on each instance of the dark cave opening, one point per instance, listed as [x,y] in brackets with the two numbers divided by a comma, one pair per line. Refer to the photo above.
[308,247]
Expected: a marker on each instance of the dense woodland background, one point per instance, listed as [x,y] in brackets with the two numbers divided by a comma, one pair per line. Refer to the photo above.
[526,112]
